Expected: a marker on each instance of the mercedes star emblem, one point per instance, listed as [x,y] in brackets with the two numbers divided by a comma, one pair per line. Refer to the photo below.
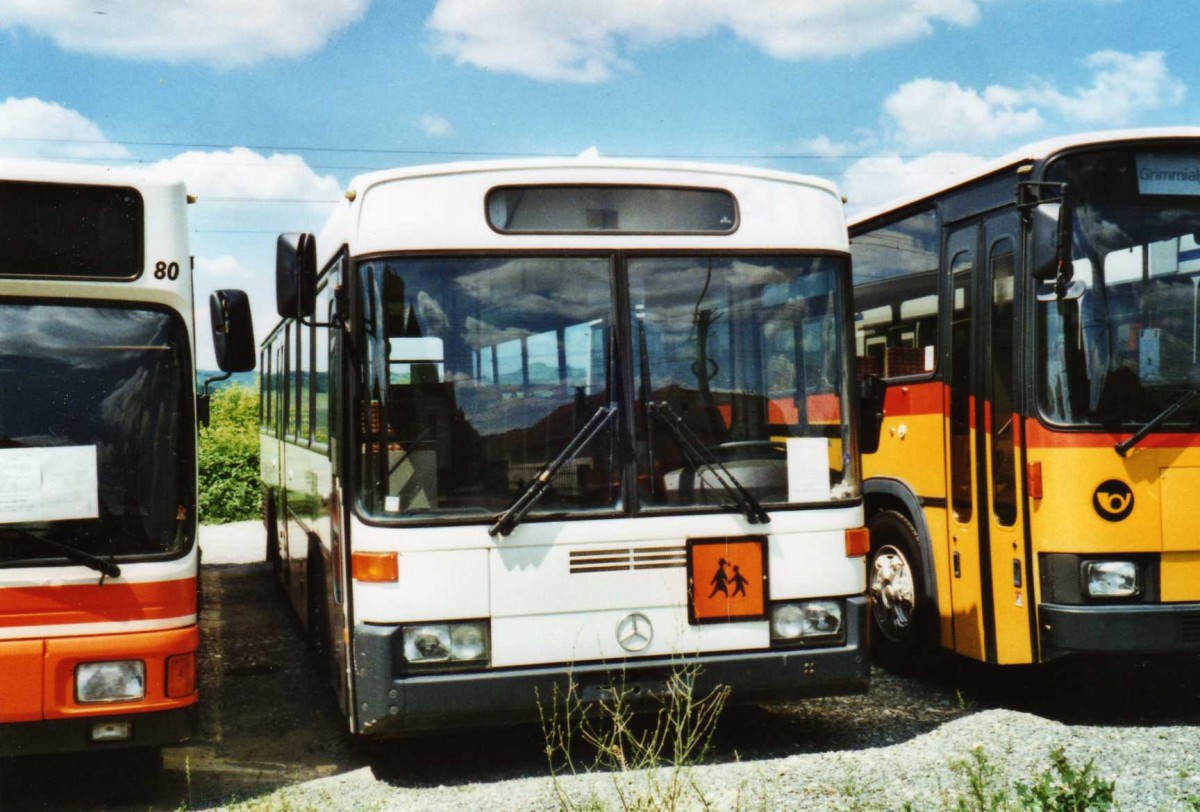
[634,632]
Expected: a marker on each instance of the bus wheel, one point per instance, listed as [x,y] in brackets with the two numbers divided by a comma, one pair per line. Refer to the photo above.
[899,610]
[314,594]
[273,553]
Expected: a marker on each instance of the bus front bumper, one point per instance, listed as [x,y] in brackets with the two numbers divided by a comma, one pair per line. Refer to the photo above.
[1127,629]
[52,736]
[389,705]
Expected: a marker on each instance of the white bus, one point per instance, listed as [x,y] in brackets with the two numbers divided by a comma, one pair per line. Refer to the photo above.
[525,420]
[98,408]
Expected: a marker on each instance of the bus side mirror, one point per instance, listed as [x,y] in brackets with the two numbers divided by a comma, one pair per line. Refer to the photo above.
[1045,240]
[296,275]
[870,412]
[233,330]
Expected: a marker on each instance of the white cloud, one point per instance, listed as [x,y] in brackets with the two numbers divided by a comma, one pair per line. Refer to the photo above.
[928,112]
[224,33]
[876,180]
[244,174]
[32,128]
[535,38]
[823,146]
[435,126]
[1123,86]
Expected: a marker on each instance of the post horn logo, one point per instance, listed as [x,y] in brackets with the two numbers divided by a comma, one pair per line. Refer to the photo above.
[1113,500]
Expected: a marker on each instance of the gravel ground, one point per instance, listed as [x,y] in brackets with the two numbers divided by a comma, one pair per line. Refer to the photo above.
[271,739]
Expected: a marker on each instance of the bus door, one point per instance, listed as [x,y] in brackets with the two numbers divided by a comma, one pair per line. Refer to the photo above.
[967,534]
[332,431]
[989,570]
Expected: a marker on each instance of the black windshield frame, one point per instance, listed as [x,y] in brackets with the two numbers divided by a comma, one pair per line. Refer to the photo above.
[618,354]
[1102,382]
[146,456]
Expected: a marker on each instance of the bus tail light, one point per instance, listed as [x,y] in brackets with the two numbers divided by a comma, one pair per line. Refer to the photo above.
[375,568]
[858,542]
[1034,477]
[181,675]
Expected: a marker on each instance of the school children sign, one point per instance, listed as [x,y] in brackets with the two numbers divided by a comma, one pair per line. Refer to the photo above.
[727,579]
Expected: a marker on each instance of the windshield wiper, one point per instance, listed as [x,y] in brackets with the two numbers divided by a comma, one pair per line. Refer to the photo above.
[107,568]
[510,518]
[699,457]
[1122,448]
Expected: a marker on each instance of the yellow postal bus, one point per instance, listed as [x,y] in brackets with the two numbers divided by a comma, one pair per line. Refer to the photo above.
[1027,342]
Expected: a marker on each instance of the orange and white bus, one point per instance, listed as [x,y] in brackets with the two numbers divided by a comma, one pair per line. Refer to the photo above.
[1027,342]
[538,421]
[98,558]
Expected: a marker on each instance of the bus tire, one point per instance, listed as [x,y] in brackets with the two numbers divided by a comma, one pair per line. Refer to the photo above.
[271,521]
[314,595]
[901,614]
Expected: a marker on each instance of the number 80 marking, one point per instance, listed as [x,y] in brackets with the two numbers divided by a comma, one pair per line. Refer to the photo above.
[162,270]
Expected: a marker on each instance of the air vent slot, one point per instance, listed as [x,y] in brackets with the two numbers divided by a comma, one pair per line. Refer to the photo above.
[1189,629]
[627,558]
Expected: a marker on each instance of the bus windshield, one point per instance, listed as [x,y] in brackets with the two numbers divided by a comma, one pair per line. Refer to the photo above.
[743,353]
[97,449]
[1126,350]
[479,371]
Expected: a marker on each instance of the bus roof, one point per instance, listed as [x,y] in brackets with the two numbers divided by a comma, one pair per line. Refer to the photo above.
[1030,152]
[582,165]
[414,221]
[34,171]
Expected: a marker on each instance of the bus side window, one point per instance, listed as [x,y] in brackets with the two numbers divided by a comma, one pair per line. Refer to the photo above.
[895,297]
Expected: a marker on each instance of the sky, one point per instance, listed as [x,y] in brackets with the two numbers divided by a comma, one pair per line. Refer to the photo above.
[267,108]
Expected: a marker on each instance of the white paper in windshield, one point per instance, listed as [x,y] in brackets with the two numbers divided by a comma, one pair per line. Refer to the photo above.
[48,484]
[808,469]
[1168,174]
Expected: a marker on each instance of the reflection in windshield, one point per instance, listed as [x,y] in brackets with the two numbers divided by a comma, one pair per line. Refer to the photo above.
[80,378]
[478,371]
[746,352]
[1126,349]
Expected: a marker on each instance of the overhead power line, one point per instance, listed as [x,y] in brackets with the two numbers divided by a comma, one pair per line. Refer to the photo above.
[781,156]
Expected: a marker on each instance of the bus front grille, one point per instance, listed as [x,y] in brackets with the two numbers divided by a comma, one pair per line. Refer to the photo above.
[627,558]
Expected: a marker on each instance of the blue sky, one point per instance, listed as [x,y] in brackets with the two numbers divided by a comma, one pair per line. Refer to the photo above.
[258,104]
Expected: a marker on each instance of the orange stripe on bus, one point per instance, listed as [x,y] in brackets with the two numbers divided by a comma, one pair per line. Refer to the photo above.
[914,398]
[1039,436]
[93,603]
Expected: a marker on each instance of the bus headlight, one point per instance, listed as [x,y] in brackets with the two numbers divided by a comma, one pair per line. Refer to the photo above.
[446,643]
[1110,579]
[116,681]
[806,621]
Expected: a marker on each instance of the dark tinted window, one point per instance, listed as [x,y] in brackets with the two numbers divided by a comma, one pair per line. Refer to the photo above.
[624,209]
[54,229]
[107,388]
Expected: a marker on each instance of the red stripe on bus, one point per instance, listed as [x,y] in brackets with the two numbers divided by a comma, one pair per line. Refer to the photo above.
[95,603]
[1041,437]
[914,399]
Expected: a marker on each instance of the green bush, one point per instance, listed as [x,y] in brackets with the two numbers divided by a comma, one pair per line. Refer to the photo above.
[229,489]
